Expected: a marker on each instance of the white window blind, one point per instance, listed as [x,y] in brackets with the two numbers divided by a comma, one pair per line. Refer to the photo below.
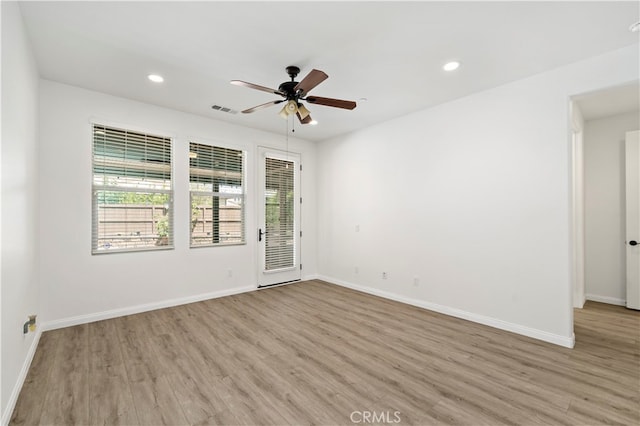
[132,191]
[279,214]
[216,184]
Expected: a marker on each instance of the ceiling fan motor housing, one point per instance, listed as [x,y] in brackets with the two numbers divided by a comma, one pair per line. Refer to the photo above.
[288,89]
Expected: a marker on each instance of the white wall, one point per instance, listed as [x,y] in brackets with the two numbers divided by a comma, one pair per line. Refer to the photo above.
[78,286]
[472,197]
[605,206]
[19,223]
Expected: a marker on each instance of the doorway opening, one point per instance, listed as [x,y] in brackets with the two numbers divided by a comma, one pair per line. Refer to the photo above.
[599,124]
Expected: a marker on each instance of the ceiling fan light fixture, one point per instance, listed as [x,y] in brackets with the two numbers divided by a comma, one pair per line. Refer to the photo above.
[292,107]
[303,111]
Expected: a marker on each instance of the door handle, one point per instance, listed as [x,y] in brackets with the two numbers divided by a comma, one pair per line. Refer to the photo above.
[260,233]
[633,243]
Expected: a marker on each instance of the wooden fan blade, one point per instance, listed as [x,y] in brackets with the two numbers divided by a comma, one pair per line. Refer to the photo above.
[312,79]
[265,105]
[256,86]
[305,120]
[337,103]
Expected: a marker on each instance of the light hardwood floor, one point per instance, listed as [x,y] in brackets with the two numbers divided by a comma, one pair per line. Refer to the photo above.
[314,353]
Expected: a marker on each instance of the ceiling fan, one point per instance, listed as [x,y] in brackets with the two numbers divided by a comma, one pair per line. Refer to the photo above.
[294,92]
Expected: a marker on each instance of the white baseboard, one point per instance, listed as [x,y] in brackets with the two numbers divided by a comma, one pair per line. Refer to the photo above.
[606,299]
[13,398]
[114,313]
[83,319]
[556,339]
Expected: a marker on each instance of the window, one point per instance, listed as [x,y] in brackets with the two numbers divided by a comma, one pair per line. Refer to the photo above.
[132,191]
[216,184]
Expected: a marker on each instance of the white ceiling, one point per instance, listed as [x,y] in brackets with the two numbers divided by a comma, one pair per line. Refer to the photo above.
[388,52]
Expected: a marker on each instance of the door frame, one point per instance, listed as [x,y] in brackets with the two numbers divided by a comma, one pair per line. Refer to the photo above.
[576,194]
[632,229]
[577,203]
[288,275]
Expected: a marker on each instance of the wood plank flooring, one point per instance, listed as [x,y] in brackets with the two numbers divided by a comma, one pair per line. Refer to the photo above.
[315,353]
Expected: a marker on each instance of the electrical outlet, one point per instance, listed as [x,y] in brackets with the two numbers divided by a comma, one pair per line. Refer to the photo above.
[384,275]
[357,228]
[416,281]
[230,273]
[356,270]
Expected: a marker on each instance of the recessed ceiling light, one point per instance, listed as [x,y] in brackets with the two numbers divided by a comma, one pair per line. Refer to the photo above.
[634,28]
[450,66]
[313,122]
[155,78]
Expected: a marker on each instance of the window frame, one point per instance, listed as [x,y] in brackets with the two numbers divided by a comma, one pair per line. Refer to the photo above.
[199,193]
[96,188]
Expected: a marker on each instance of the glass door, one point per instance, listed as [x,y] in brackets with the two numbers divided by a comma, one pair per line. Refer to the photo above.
[279,217]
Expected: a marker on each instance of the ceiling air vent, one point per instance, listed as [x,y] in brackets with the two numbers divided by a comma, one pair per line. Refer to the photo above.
[224,109]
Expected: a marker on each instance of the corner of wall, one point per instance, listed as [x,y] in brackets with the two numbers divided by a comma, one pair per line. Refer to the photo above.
[20,83]
[15,392]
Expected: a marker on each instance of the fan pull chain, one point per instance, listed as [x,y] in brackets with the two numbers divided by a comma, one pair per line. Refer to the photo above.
[287,138]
